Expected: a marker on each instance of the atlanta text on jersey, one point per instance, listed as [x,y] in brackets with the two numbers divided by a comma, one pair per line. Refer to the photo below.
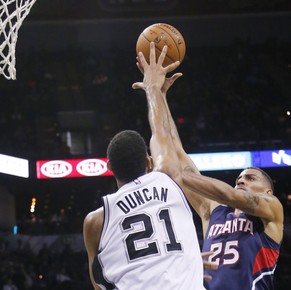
[238,224]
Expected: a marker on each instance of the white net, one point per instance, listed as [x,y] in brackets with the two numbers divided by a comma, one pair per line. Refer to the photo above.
[12,14]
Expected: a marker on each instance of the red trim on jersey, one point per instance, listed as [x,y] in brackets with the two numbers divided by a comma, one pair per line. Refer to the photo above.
[266,258]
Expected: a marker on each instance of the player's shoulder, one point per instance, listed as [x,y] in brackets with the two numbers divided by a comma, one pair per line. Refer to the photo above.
[94,219]
[166,167]
[156,174]
[165,177]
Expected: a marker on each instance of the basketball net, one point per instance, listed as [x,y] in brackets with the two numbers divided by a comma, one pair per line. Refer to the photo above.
[12,14]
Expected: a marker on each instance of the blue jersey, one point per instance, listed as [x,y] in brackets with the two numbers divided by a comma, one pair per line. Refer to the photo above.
[246,256]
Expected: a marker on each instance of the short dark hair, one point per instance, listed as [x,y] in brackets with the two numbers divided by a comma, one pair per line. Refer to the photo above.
[127,153]
[266,175]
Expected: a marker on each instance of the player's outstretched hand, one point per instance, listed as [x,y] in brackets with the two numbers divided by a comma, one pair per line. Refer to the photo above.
[158,72]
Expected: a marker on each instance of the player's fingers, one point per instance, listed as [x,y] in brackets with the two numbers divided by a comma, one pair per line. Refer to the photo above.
[207,277]
[152,53]
[141,60]
[210,265]
[137,85]
[162,55]
[169,81]
[206,254]
[139,67]
[172,66]
[138,63]
[173,78]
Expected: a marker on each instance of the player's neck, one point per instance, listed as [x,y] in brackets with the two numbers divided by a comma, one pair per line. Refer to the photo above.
[120,183]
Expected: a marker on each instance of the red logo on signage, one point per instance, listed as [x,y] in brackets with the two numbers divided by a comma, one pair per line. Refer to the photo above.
[72,168]
[92,167]
[56,168]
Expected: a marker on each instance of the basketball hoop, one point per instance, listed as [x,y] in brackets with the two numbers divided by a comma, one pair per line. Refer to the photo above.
[12,14]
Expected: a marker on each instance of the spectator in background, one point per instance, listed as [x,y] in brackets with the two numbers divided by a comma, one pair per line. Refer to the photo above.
[9,285]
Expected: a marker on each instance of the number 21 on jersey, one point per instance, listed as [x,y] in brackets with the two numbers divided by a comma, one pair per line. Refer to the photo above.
[146,233]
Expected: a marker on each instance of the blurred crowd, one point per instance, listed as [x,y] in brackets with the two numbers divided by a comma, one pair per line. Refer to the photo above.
[21,268]
[234,97]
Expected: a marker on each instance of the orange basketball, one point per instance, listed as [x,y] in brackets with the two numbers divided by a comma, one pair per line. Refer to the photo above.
[162,34]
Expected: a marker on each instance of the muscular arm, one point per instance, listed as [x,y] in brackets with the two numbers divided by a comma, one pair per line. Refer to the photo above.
[166,147]
[161,144]
[262,205]
[165,138]
[200,204]
[91,232]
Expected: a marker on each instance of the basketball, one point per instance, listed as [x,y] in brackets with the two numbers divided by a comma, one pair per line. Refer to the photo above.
[162,34]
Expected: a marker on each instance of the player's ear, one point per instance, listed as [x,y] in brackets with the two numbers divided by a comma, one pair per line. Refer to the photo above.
[109,166]
[149,163]
[270,191]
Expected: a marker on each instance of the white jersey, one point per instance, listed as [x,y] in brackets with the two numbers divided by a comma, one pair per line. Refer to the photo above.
[149,239]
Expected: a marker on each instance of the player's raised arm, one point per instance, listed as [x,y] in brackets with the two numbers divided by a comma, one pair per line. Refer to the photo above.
[252,195]
[199,203]
[161,144]
[165,142]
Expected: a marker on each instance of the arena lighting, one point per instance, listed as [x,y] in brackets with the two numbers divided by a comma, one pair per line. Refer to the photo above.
[242,159]
[71,168]
[15,230]
[14,166]
[222,161]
